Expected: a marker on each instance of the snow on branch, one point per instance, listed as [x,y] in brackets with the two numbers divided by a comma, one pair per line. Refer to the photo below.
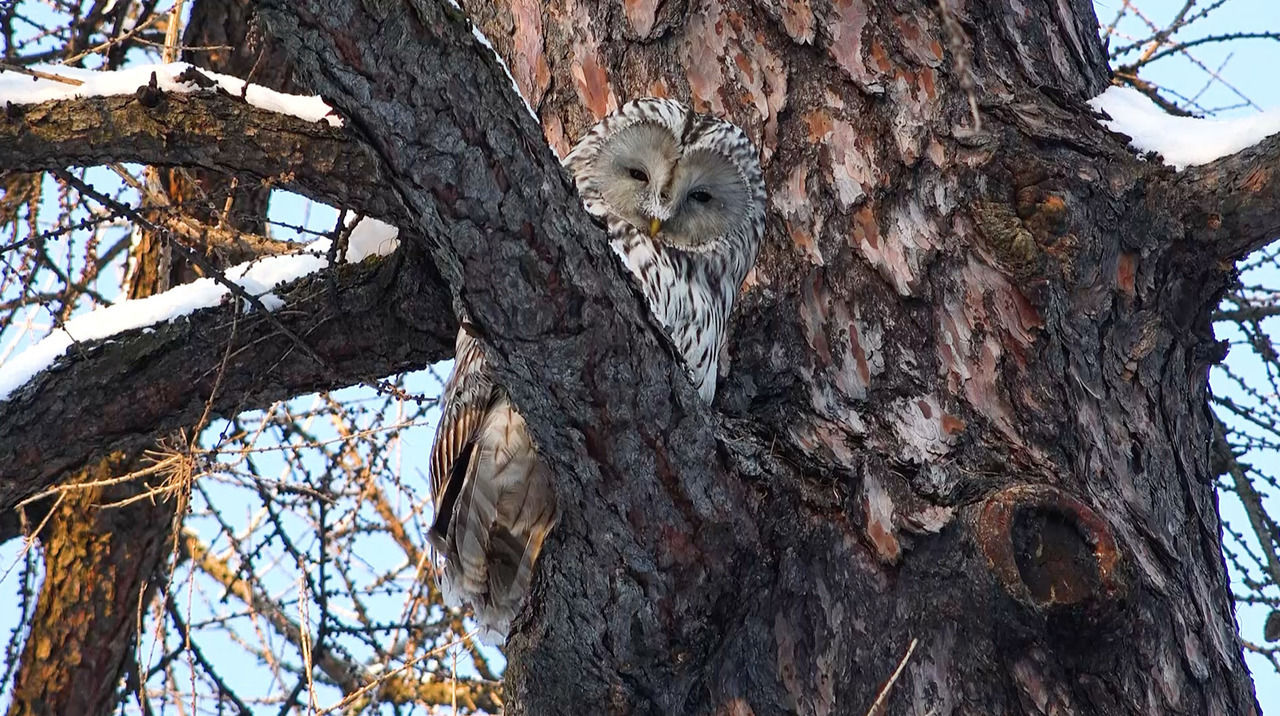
[208,129]
[367,320]
[258,277]
[43,83]
[484,40]
[1182,141]
[1232,205]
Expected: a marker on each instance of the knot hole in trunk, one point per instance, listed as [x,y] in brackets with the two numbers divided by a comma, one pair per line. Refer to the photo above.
[1049,550]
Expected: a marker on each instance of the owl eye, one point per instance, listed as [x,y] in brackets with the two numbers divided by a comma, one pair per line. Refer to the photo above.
[700,196]
[638,175]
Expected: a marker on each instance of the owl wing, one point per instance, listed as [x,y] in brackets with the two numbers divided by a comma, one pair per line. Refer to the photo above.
[493,497]
[467,395]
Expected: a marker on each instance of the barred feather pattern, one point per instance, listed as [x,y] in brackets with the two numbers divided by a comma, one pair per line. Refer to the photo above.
[691,289]
[493,497]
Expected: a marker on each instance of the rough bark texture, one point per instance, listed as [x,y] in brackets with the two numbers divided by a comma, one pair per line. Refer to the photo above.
[203,130]
[125,392]
[967,398]
[1233,205]
[98,567]
[40,440]
[965,345]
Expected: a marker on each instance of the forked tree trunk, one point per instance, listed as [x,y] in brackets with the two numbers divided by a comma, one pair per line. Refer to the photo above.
[977,354]
[966,407]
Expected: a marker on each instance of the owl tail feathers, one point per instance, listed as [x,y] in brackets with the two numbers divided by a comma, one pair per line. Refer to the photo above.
[497,593]
[496,585]
[493,623]
[501,517]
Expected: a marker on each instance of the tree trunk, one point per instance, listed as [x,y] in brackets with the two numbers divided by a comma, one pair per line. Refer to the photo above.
[104,547]
[964,430]
[966,411]
[99,564]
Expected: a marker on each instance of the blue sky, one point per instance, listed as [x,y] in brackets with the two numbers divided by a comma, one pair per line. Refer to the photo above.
[1245,64]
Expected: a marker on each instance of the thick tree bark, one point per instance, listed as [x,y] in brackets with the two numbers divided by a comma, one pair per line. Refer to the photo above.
[99,564]
[978,330]
[967,399]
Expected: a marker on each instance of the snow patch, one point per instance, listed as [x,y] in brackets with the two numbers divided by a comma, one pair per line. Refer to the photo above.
[483,40]
[20,88]
[1182,141]
[369,238]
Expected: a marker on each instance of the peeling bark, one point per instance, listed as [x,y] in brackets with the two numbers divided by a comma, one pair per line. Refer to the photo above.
[967,398]
[950,318]
[1024,363]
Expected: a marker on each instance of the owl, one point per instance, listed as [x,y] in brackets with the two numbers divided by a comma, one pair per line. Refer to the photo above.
[683,197]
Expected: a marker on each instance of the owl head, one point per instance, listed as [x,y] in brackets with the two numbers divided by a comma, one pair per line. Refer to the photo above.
[684,179]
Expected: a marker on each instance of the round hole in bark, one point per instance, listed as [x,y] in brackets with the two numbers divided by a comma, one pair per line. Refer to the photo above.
[1055,560]
[1049,550]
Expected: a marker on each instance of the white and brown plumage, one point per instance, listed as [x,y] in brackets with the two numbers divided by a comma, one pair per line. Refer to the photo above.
[683,198]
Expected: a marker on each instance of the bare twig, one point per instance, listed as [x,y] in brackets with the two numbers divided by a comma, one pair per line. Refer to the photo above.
[882,697]
[40,74]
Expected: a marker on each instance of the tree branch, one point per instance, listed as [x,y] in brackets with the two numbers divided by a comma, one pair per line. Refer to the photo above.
[207,129]
[352,677]
[210,129]
[370,320]
[565,330]
[1235,201]
[510,235]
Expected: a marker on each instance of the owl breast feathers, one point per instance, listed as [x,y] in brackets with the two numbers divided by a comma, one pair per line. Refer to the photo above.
[683,198]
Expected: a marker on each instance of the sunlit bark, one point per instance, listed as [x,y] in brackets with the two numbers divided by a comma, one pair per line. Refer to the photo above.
[966,408]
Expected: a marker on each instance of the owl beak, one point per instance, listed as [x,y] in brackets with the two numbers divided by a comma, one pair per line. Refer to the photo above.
[655,225]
